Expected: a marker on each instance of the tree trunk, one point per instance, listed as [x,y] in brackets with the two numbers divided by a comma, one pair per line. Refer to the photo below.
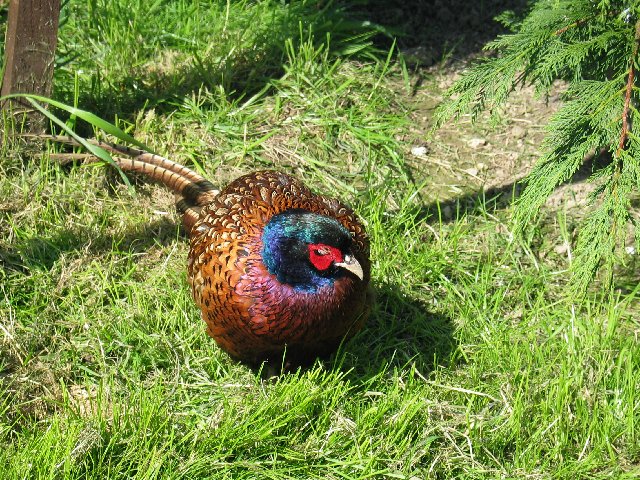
[32,34]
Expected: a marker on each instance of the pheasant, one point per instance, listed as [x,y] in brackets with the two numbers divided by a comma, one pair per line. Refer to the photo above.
[273,267]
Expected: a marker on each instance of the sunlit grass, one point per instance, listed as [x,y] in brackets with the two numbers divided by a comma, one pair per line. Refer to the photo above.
[474,363]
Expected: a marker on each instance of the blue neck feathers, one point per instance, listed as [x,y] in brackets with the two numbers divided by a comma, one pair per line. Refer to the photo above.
[285,247]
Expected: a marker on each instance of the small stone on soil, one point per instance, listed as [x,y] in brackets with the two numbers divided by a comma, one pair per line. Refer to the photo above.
[477,142]
[419,151]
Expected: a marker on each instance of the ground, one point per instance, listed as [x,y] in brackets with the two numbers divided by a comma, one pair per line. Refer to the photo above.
[474,364]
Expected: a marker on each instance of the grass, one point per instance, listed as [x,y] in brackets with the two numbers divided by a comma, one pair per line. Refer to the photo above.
[474,363]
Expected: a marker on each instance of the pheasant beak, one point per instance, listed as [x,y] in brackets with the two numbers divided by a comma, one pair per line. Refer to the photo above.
[352,265]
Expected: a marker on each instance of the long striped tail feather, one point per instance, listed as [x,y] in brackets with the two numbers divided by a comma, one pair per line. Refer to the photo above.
[191,189]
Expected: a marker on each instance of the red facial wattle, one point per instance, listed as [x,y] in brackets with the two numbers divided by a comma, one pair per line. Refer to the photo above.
[323,256]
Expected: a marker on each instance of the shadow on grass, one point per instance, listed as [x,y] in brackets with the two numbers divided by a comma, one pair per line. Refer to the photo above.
[428,32]
[42,253]
[243,66]
[502,196]
[432,31]
[402,331]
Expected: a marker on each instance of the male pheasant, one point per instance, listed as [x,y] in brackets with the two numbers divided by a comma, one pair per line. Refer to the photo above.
[272,266]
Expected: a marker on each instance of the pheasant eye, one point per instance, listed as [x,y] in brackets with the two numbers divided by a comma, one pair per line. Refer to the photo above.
[323,256]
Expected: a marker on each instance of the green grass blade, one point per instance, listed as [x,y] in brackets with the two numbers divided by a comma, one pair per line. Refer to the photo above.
[88,117]
[94,149]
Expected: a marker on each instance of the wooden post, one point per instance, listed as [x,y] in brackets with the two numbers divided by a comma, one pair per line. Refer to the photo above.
[32,34]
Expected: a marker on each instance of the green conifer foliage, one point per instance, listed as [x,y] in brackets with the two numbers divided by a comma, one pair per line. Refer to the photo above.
[594,46]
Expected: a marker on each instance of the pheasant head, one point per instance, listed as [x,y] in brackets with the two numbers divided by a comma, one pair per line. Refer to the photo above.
[307,250]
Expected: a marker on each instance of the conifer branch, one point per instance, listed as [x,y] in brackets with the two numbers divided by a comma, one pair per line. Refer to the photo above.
[624,134]
[575,24]
[587,45]
[580,22]
[616,178]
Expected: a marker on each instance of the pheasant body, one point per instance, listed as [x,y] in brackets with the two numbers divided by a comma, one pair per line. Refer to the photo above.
[272,266]
[260,283]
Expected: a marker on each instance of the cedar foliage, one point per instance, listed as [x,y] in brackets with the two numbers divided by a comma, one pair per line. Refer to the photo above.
[593,46]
